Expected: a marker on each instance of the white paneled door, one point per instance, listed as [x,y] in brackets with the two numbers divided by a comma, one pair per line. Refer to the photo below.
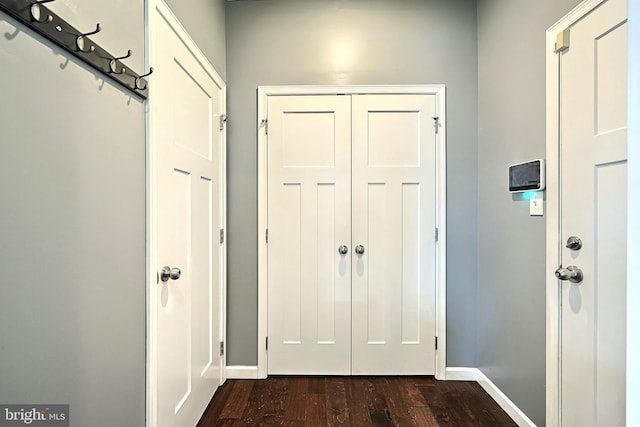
[351,234]
[394,222]
[187,149]
[309,220]
[593,189]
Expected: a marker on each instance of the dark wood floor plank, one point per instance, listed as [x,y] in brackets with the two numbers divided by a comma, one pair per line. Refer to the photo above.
[411,392]
[316,385]
[293,423]
[353,401]
[378,409]
[235,407]
[213,411]
[481,407]
[296,399]
[397,401]
[424,381]
[316,410]
[228,423]
[454,397]
[257,401]
[356,393]
[337,409]
[422,416]
[274,408]
[443,406]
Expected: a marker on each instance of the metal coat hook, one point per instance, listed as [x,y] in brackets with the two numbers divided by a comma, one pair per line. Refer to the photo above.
[82,37]
[113,64]
[36,13]
[141,84]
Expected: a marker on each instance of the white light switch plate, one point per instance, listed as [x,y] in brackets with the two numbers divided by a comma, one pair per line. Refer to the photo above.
[536,207]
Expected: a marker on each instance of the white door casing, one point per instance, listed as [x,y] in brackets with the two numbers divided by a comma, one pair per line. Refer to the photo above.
[186,209]
[586,321]
[419,206]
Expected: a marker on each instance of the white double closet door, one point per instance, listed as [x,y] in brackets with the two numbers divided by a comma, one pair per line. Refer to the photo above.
[351,234]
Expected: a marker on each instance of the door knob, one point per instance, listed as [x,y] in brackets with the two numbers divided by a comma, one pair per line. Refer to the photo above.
[342,250]
[359,249]
[169,273]
[574,243]
[571,273]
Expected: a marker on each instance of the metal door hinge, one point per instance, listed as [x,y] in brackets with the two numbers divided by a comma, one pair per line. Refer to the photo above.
[436,343]
[562,41]
[264,123]
[436,123]
[221,235]
[223,120]
[437,234]
[267,343]
[266,235]
[221,348]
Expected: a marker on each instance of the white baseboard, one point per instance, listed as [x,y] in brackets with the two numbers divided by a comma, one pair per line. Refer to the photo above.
[475,374]
[240,372]
[462,374]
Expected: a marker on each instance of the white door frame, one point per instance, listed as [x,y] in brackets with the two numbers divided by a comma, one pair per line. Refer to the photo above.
[441,165]
[553,404]
[152,196]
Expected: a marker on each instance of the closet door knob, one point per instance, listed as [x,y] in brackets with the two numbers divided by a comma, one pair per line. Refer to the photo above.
[169,273]
[359,249]
[342,250]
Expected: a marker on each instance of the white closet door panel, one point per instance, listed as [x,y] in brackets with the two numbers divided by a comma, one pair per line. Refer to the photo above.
[394,219]
[309,217]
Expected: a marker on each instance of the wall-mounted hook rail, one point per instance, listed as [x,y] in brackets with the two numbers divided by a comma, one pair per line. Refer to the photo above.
[39,18]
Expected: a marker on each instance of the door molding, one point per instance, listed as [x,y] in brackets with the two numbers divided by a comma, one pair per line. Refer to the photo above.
[441,162]
[553,404]
[153,193]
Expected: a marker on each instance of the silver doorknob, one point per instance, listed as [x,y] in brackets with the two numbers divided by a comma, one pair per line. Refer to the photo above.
[342,250]
[574,243]
[359,249]
[169,273]
[571,273]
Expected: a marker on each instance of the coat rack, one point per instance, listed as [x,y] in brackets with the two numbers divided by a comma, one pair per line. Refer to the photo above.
[38,17]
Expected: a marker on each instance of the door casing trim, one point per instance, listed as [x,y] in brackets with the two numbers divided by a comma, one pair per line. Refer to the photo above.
[553,403]
[441,165]
[152,196]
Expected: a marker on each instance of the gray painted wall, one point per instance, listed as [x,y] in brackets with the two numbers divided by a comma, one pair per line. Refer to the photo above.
[72,223]
[511,244]
[289,42]
[204,20]
[633,279]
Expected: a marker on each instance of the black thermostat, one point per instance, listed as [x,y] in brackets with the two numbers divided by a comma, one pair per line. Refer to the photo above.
[528,176]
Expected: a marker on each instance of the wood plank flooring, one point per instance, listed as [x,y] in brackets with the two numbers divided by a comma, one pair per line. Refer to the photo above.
[353,401]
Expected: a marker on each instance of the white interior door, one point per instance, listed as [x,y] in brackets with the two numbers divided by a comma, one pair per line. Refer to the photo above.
[370,307]
[394,224]
[186,303]
[309,219]
[593,175]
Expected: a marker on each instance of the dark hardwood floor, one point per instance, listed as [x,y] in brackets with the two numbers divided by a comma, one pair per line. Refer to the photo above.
[353,401]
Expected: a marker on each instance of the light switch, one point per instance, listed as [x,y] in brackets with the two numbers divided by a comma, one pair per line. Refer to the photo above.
[536,207]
